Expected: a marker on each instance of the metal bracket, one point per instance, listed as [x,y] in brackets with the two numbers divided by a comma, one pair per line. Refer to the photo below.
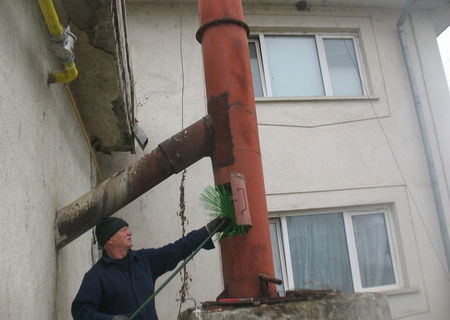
[63,47]
[240,200]
[264,281]
[201,30]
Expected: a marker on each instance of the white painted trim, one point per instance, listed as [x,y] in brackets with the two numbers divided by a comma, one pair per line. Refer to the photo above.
[285,235]
[352,252]
[266,71]
[277,223]
[317,98]
[361,66]
[394,248]
[323,63]
[401,291]
[260,65]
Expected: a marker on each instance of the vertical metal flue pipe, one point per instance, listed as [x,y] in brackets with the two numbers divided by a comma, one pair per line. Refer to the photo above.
[231,103]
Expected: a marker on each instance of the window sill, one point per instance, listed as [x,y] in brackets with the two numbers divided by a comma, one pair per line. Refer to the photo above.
[400,291]
[316,98]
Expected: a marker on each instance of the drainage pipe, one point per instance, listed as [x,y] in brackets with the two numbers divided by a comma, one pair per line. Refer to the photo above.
[231,104]
[424,131]
[170,157]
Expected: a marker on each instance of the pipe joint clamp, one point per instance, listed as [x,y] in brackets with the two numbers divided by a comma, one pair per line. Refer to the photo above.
[202,29]
[63,46]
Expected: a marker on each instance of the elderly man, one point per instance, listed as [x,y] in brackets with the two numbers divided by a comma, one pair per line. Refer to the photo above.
[123,278]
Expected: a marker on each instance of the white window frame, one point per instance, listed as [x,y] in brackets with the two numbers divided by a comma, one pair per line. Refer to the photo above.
[261,68]
[258,38]
[280,241]
[286,263]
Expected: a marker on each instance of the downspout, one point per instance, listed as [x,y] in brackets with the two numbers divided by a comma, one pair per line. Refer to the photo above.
[170,157]
[231,104]
[64,42]
[424,131]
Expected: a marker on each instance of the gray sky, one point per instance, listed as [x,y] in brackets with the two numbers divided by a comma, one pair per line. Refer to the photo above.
[444,46]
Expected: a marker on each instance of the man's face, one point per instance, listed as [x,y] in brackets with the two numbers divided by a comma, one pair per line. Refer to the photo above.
[122,238]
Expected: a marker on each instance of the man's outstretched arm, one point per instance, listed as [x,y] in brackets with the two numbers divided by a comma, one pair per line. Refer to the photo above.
[167,257]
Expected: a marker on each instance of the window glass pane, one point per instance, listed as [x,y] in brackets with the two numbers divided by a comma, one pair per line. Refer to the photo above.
[372,246]
[294,66]
[319,252]
[343,67]
[276,255]
[257,85]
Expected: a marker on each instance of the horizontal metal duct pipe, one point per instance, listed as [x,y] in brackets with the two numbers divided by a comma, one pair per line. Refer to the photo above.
[172,156]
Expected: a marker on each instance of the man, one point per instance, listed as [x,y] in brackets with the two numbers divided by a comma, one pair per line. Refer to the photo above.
[123,278]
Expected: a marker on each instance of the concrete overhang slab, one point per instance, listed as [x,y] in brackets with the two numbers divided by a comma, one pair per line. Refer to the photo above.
[104,89]
[441,18]
[422,4]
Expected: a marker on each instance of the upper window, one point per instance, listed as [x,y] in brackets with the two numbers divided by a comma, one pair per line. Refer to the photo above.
[345,250]
[305,65]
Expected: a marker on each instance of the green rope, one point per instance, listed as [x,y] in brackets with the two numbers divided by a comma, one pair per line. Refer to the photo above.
[153,295]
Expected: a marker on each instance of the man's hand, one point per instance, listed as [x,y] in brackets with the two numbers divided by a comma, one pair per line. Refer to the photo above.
[213,224]
[120,318]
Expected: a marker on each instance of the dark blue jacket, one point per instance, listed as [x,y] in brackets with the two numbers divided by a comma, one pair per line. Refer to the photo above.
[109,290]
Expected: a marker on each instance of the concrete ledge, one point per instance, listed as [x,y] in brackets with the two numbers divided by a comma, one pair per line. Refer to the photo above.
[367,306]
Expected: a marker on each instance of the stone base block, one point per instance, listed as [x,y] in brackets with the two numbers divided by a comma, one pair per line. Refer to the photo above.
[367,306]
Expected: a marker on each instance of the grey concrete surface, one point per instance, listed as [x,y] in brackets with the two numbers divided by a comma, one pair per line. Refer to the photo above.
[367,306]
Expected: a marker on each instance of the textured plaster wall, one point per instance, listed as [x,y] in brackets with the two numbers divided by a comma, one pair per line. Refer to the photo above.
[316,154]
[44,163]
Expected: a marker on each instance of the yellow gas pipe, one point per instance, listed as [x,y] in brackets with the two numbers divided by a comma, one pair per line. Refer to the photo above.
[69,75]
[57,32]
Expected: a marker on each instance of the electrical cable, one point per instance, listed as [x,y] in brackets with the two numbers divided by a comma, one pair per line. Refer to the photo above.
[83,129]
[182,71]
[185,275]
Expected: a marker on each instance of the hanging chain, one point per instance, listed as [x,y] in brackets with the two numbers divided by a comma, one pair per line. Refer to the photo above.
[185,277]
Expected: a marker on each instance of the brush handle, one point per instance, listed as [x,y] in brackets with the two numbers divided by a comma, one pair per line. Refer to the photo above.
[185,262]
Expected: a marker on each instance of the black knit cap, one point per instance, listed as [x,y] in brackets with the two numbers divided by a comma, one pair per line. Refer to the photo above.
[106,228]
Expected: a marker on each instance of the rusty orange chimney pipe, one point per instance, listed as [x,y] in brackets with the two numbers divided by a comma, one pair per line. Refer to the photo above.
[231,104]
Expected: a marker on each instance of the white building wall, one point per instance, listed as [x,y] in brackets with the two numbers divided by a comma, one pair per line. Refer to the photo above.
[350,161]
[317,153]
[44,164]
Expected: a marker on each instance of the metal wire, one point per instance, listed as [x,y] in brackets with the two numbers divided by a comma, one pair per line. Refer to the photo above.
[83,129]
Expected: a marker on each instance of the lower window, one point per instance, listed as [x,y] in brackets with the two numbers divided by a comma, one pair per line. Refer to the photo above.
[345,250]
